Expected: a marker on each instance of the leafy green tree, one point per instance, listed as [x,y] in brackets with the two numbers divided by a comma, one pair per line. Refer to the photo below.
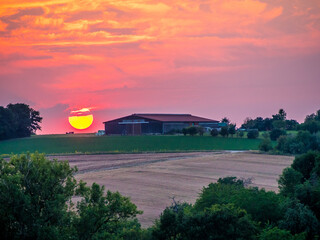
[184,131]
[225,120]
[36,203]
[224,131]
[305,163]
[288,180]
[263,206]
[282,115]
[275,233]
[25,119]
[298,218]
[6,124]
[232,129]
[241,134]
[192,131]
[265,145]
[214,132]
[253,134]
[200,130]
[308,194]
[276,133]
[100,215]
[223,221]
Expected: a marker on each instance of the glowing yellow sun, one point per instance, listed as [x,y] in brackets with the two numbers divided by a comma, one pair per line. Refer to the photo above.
[81,119]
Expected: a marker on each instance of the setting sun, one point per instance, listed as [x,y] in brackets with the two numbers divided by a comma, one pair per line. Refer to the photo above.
[81,119]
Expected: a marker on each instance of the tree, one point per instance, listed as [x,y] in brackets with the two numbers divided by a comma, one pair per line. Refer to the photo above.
[265,145]
[232,129]
[224,131]
[18,120]
[298,218]
[200,130]
[219,221]
[225,120]
[184,131]
[241,134]
[288,180]
[275,233]
[36,203]
[193,130]
[282,115]
[263,206]
[276,133]
[214,132]
[253,134]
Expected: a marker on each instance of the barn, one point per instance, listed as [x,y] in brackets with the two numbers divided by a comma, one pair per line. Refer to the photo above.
[141,123]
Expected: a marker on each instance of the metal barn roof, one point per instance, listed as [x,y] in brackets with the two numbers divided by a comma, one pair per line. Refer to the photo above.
[170,117]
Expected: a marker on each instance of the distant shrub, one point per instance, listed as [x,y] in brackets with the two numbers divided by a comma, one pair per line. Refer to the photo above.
[241,134]
[276,133]
[253,134]
[200,130]
[214,132]
[265,145]
[185,131]
[192,131]
[224,131]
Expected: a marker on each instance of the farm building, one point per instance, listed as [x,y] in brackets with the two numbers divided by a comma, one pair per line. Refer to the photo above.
[137,124]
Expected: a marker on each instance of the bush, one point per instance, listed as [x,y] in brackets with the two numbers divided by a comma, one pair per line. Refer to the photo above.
[253,134]
[200,130]
[185,131]
[224,131]
[241,134]
[276,133]
[36,203]
[276,233]
[265,145]
[192,131]
[214,132]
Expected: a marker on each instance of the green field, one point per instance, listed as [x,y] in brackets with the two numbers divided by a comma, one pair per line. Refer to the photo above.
[89,143]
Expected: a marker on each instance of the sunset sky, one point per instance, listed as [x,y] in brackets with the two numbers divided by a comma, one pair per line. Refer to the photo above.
[237,58]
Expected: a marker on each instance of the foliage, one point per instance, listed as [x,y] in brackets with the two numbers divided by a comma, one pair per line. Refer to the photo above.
[225,120]
[266,124]
[263,206]
[224,131]
[311,123]
[276,133]
[281,115]
[253,134]
[219,221]
[301,183]
[18,120]
[298,218]
[289,179]
[265,145]
[301,143]
[185,131]
[241,134]
[200,130]
[214,132]
[232,129]
[312,126]
[36,203]
[275,233]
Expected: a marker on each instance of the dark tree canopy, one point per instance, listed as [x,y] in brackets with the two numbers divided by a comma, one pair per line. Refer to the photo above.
[18,120]
[36,203]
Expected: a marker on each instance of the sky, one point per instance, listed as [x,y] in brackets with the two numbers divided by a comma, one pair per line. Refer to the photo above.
[211,58]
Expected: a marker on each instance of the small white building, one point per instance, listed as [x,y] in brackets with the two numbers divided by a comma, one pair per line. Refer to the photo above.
[100,133]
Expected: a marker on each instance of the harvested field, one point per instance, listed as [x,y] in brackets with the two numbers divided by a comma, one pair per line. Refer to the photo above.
[151,180]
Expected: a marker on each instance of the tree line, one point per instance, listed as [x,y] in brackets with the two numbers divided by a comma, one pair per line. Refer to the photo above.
[18,120]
